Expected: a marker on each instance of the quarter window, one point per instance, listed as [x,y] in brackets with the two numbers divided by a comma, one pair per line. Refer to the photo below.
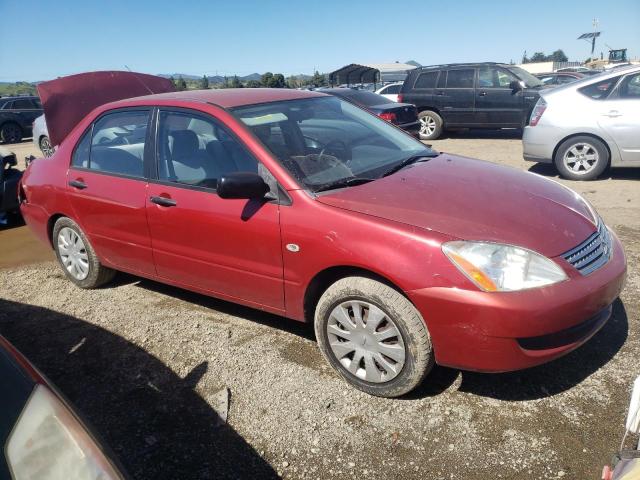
[22,104]
[460,78]
[117,143]
[196,150]
[601,89]
[426,80]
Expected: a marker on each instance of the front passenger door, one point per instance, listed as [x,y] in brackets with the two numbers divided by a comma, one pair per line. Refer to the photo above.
[226,248]
[497,105]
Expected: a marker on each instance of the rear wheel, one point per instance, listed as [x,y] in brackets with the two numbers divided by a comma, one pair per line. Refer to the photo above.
[45,146]
[373,337]
[581,158]
[430,125]
[77,257]
[11,133]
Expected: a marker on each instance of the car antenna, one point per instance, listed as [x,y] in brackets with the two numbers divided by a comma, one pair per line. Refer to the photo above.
[140,80]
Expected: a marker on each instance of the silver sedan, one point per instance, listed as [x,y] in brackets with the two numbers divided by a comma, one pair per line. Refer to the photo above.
[586,126]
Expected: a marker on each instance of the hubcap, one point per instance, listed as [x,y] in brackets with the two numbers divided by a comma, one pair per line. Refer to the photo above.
[366,341]
[45,146]
[427,125]
[581,158]
[73,253]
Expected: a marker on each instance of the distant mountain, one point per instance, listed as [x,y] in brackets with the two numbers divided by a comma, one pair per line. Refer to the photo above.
[178,75]
[213,79]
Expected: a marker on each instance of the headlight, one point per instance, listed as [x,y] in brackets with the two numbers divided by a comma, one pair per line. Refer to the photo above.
[494,267]
[48,442]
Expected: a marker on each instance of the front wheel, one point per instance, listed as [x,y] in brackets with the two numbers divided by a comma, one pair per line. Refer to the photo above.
[581,158]
[77,257]
[373,337]
[11,133]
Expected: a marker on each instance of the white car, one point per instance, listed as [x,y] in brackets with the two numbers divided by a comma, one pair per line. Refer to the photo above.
[390,91]
[41,136]
[585,126]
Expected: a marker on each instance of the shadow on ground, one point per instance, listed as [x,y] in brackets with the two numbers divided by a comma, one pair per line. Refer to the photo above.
[158,426]
[548,170]
[506,134]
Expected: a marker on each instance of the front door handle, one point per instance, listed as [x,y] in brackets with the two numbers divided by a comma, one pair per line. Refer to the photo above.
[163,201]
[613,114]
[482,94]
[440,93]
[79,184]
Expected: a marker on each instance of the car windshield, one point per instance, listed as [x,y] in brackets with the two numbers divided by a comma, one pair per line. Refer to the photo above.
[529,80]
[326,142]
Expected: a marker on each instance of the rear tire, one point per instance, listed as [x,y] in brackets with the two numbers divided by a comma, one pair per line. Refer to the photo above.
[77,257]
[45,146]
[430,125]
[373,336]
[581,158]
[11,133]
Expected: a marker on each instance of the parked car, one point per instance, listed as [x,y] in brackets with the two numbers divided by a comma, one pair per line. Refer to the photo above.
[390,91]
[403,115]
[583,70]
[9,179]
[586,126]
[304,205]
[16,117]
[40,433]
[470,95]
[559,78]
[41,136]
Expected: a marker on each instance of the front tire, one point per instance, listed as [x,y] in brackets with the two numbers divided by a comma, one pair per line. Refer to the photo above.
[373,337]
[77,257]
[581,158]
[45,146]
[11,133]
[430,125]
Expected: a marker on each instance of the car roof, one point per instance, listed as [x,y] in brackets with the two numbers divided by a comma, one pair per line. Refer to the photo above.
[473,64]
[224,97]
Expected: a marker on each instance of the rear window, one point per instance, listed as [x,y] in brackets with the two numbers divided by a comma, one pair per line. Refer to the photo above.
[426,80]
[368,99]
[460,78]
[392,89]
[601,89]
[23,104]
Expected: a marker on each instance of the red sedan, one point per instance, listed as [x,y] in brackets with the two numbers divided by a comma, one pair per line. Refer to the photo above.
[304,205]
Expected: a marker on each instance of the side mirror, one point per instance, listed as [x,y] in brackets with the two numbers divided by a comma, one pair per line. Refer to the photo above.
[516,85]
[242,185]
[633,417]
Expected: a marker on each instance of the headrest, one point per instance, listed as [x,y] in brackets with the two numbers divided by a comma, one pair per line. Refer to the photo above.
[185,144]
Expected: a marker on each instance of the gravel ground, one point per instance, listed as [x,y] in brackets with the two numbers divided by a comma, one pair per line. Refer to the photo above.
[147,364]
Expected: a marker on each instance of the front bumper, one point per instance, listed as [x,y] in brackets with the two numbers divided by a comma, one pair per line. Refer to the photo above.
[506,331]
[413,127]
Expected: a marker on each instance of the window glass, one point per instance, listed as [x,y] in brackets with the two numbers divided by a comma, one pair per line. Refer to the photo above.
[117,144]
[22,104]
[601,89]
[562,79]
[460,78]
[493,77]
[442,80]
[36,103]
[325,141]
[7,106]
[393,89]
[81,153]
[548,80]
[361,97]
[630,86]
[426,80]
[196,150]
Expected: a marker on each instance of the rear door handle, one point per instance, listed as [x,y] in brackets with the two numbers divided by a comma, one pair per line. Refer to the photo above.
[79,184]
[163,201]
[440,93]
[613,113]
[482,94]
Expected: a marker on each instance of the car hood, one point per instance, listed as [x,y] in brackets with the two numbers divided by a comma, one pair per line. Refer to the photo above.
[67,100]
[475,200]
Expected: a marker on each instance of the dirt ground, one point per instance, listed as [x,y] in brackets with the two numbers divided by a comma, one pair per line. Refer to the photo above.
[148,364]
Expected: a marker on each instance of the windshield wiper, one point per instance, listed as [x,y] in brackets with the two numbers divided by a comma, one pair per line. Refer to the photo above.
[345,182]
[408,161]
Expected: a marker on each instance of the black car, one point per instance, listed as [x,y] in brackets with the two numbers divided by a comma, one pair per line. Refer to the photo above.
[40,434]
[470,95]
[402,115]
[16,117]
[9,178]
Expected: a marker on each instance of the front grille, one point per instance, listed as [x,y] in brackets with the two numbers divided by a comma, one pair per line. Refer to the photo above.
[593,253]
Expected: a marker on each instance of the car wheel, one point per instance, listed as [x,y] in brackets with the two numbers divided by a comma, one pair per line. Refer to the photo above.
[11,133]
[581,158]
[77,257]
[373,337]
[430,125]
[45,146]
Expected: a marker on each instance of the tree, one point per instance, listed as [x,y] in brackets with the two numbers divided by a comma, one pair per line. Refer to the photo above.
[267,79]
[318,79]
[558,56]
[525,59]
[181,84]
[278,81]
[204,83]
[538,57]
[253,84]
[235,82]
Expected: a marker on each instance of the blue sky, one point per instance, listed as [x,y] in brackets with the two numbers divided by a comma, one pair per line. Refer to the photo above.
[42,40]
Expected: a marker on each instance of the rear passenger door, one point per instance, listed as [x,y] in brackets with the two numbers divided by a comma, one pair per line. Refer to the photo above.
[227,248]
[455,97]
[107,189]
[497,105]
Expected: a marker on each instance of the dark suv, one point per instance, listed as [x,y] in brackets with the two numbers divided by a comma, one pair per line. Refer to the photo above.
[16,117]
[470,95]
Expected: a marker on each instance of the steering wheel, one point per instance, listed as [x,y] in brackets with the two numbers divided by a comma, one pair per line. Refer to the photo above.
[343,148]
